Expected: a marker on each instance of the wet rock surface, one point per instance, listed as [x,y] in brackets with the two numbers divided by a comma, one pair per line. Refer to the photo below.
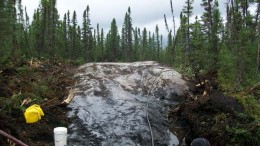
[113,99]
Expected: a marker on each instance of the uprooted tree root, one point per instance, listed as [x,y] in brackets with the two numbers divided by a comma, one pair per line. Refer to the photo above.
[45,82]
[208,113]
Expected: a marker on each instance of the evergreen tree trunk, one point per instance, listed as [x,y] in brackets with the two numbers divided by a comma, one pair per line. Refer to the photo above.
[144,45]
[188,31]
[188,11]
[258,54]
[173,19]
[43,32]
[68,35]
[29,53]
[215,27]
[54,21]
[157,43]
[13,23]
[65,33]
[74,33]
[102,44]
[234,38]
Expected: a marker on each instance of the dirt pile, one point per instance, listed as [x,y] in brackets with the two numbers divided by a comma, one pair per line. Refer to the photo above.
[208,113]
[44,82]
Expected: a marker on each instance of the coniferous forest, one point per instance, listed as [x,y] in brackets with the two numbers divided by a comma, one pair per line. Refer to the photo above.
[229,45]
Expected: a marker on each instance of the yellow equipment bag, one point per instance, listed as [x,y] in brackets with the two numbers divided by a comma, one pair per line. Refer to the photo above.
[33,113]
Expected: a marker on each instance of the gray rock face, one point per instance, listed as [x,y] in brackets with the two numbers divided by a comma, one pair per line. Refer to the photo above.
[113,99]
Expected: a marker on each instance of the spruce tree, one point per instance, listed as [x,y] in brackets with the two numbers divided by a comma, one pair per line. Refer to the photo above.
[65,36]
[211,29]
[87,36]
[157,43]
[187,10]
[11,7]
[113,43]
[74,35]
[144,52]
[258,28]
[102,45]
[5,31]
[98,47]
[169,48]
[199,53]
[136,45]
[127,36]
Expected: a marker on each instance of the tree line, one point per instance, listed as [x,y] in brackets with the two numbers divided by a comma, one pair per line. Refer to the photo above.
[48,35]
[229,45]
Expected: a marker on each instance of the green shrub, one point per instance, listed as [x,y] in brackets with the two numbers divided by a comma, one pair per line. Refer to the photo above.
[9,105]
[23,70]
[251,105]
[246,133]
[39,89]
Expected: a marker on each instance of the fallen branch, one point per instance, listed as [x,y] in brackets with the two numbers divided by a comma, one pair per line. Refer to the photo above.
[12,138]
[49,101]
[70,96]
[26,101]
[257,85]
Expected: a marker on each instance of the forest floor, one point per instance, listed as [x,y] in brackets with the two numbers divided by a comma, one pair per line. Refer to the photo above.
[207,112]
[45,82]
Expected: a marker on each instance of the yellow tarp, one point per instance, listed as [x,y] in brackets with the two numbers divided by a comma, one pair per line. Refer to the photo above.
[33,114]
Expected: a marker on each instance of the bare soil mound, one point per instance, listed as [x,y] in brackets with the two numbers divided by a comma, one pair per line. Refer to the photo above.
[208,113]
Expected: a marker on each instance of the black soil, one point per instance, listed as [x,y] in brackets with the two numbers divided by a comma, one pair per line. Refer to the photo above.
[47,83]
[208,113]
[205,112]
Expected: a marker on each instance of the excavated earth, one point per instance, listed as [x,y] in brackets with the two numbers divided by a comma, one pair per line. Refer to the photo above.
[208,113]
[45,82]
[202,110]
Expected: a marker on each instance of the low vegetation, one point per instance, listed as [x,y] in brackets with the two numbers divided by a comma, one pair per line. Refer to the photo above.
[45,82]
[230,48]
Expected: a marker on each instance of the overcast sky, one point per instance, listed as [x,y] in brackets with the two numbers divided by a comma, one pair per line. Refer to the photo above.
[145,13]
